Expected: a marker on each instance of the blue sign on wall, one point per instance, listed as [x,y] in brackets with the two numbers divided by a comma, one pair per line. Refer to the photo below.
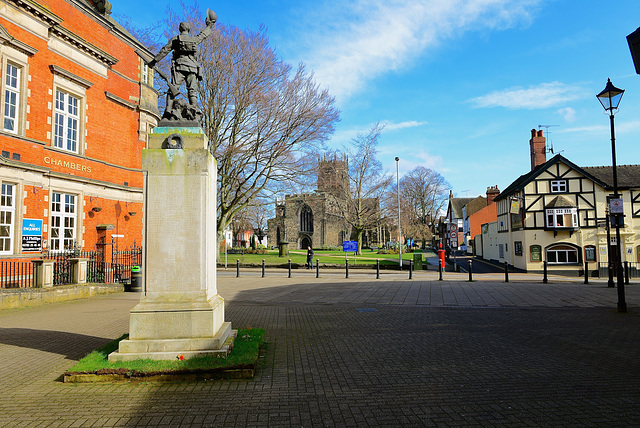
[348,246]
[31,234]
[31,227]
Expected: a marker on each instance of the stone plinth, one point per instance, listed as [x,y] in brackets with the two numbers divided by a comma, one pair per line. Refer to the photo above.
[180,312]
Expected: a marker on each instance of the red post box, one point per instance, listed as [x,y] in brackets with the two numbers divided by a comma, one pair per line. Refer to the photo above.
[441,256]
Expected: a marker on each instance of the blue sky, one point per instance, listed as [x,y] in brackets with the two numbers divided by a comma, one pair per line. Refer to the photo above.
[458,83]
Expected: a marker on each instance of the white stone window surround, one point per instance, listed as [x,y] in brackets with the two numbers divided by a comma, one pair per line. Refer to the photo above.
[63,219]
[14,91]
[69,93]
[7,217]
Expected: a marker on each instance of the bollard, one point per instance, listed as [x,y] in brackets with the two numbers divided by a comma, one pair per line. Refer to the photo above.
[346,265]
[470,277]
[544,278]
[626,272]
[317,268]
[237,268]
[411,269]
[440,270]
[506,272]
[289,268]
[378,269]
[263,268]
[586,271]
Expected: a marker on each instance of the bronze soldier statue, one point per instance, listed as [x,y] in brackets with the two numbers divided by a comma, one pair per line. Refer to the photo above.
[185,68]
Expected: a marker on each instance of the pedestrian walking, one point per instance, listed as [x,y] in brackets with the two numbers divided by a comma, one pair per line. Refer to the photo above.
[309,257]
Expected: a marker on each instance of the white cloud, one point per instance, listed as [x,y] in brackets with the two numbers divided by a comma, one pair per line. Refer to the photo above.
[390,126]
[568,113]
[544,95]
[350,43]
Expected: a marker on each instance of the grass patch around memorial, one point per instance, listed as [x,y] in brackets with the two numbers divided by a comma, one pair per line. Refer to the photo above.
[326,257]
[245,353]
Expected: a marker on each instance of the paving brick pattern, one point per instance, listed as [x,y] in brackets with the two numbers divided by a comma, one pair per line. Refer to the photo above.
[354,352]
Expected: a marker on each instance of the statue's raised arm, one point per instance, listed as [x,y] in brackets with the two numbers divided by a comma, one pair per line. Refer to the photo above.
[185,68]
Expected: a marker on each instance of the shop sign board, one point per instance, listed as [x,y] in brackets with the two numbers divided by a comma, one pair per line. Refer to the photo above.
[31,235]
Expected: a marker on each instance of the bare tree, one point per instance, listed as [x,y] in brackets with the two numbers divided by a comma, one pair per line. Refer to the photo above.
[423,193]
[367,182]
[262,118]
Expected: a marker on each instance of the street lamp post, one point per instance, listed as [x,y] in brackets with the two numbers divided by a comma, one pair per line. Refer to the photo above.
[610,99]
[399,231]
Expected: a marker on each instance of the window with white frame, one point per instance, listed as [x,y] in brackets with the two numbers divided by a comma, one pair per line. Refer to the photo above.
[7,217]
[145,73]
[67,122]
[11,101]
[562,254]
[63,221]
[562,218]
[558,186]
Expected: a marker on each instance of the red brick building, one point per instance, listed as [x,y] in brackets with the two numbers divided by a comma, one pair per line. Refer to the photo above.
[76,105]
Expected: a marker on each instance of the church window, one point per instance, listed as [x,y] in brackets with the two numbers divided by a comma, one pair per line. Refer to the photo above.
[306,219]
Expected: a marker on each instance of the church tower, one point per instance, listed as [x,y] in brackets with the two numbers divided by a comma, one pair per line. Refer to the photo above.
[333,175]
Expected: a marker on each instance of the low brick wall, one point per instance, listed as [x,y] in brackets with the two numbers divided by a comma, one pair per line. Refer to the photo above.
[23,297]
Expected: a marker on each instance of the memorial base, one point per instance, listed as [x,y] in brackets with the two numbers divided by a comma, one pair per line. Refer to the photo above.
[180,314]
[166,331]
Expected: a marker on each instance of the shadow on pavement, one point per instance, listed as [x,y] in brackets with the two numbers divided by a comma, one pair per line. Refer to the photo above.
[56,342]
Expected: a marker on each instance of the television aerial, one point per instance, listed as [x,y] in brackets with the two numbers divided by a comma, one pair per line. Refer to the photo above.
[549,148]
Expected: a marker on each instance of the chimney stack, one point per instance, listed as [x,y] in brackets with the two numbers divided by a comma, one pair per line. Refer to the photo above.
[492,193]
[538,146]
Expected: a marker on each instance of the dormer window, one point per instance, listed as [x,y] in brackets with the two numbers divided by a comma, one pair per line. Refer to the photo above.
[558,186]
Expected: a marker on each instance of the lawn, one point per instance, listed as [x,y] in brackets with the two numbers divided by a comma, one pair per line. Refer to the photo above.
[245,353]
[326,257]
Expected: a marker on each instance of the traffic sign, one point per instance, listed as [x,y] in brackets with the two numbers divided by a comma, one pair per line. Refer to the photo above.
[453,227]
[454,234]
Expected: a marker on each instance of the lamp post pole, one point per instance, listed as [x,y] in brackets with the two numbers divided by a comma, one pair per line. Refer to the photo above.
[610,99]
[399,230]
[622,304]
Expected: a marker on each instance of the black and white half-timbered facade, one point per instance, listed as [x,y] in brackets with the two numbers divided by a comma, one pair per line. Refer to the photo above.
[557,213]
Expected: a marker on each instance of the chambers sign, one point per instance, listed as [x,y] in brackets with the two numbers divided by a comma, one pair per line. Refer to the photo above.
[66,164]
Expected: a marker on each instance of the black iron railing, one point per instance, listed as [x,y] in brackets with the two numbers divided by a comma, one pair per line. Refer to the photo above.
[16,274]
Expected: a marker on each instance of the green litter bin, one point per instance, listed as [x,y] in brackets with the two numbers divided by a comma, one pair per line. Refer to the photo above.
[136,279]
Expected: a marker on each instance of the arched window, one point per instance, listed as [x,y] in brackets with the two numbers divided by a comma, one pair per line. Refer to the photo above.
[278,237]
[562,254]
[306,219]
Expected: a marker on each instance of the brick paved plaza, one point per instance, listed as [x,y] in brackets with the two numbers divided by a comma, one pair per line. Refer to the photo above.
[354,352]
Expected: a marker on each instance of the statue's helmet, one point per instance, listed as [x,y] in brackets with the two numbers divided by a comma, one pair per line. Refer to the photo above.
[184,26]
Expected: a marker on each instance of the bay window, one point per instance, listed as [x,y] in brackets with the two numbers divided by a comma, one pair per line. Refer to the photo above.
[561,218]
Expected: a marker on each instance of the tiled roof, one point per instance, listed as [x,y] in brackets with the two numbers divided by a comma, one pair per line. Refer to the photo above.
[560,202]
[628,175]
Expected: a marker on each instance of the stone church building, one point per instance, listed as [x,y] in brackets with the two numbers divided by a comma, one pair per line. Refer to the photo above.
[316,219]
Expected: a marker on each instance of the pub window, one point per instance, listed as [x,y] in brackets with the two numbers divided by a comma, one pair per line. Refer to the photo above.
[562,254]
[63,221]
[558,186]
[562,218]
[7,217]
